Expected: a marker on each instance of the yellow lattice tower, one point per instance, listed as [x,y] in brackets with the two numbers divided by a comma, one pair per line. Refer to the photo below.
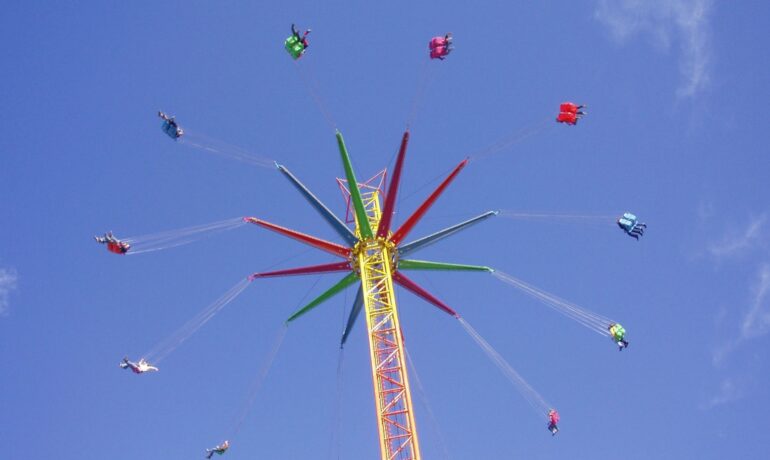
[393,401]
[374,255]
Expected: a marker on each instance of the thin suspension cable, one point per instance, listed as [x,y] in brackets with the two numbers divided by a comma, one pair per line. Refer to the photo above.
[571,218]
[173,238]
[518,136]
[335,443]
[583,317]
[316,97]
[435,179]
[536,402]
[589,319]
[508,141]
[286,259]
[168,345]
[271,357]
[426,77]
[424,397]
[221,148]
[165,347]
[257,385]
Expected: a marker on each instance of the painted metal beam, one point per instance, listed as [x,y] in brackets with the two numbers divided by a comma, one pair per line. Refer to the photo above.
[390,198]
[355,195]
[331,292]
[407,226]
[410,285]
[441,234]
[310,269]
[328,246]
[329,216]
[407,264]
[355,312]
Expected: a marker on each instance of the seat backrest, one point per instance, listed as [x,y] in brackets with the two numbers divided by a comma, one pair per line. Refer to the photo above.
[294,47]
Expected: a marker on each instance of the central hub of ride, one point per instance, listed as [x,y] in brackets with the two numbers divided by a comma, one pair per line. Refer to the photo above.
[372,244]
[374,256]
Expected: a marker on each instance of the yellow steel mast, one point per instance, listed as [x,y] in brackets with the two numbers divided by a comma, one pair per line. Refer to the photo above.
[393,400]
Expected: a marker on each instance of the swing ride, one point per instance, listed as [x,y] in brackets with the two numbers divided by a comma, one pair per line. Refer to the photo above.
[374,256]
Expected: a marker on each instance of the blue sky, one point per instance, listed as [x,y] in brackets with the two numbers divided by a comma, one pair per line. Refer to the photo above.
[674,90]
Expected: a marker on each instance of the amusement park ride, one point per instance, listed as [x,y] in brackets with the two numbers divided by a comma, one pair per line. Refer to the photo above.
[374,254]
[373,257]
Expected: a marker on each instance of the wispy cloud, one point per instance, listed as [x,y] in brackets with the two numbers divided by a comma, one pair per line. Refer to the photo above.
[8,279]
[737,242]
[728,392]
[745,319]
[684,21]
[756,322]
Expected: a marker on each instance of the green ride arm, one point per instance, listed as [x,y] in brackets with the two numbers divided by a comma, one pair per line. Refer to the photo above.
[331,292]
[407,264]
[355,195]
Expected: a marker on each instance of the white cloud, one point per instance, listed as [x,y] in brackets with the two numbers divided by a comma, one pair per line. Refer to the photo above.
[757,321]
[8,280]
[722,352]
[735,243]
[686,21]
[728,392]
[746,322]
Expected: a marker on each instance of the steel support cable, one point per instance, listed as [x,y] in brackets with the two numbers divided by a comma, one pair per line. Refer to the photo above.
[424,397]
[335,442]
[257,384]
[172,238]
[266,367]
[221,148]
[425,79]
[567,310]
[535,400]
[577,218]
[576,312]
[562,307]
[316,97]
[552,299]
[437,178]
[593,321]
[165,347]
[514,138]
[171,343]
[518,136]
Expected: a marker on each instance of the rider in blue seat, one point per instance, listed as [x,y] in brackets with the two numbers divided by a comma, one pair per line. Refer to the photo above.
[170,126]
[631,226]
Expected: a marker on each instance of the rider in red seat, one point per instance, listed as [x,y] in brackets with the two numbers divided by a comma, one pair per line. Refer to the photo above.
[571,107]
[570,113]
[440,47]
[114,245]
[567,117]
[553,420]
